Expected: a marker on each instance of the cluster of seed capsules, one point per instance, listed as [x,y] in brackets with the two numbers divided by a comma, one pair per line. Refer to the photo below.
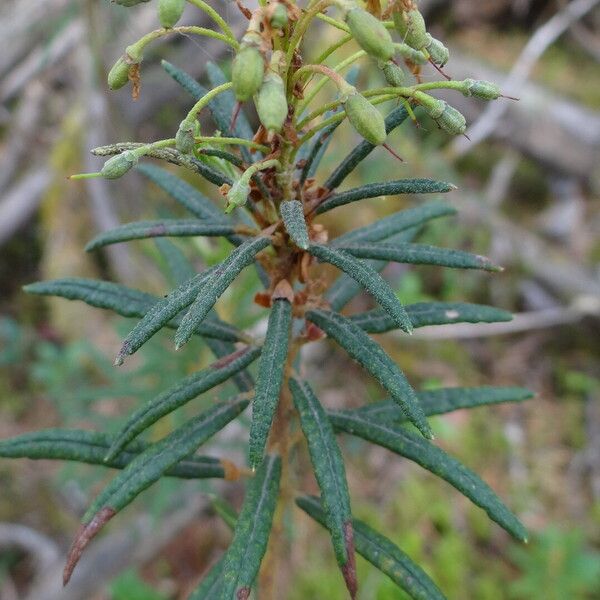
[260,72]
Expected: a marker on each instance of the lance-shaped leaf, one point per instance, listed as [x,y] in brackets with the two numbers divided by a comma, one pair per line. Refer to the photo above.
[329,470]
[419,254]
[161,313]
[424,314]
[382,554]
[405,443]
[165,228]
[344,288]
[90,447]
[252,530]
[388,188]
[392,121]
[270,377]
[181,393]
[445,400]
[292,213]
[375,360]
[125,301]
[145,470]
[242,379]
[400,221]
[216,283]
[369,278]
[211,584]
[188,196]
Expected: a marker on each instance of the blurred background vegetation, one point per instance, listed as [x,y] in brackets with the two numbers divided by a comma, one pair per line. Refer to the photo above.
[528,197]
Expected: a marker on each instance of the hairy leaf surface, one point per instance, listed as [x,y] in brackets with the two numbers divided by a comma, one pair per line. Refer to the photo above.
[375,360]
[369,278]
[90,447]
[270,377]
[405,443]
[181,393]
[252,530]
[382,554]
[329,469]
[218,280]
[388,188]
[292,213]
[211,584]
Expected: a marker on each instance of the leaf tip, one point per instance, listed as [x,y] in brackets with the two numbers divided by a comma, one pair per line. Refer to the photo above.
[84,536]
[349,569]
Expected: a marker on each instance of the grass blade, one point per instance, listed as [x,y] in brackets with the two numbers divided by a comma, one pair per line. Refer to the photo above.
[330,473]
[165,228]
[374,359]
[388,188]
[219,279]
[270,377]
[252,530]
[126,302]
[403,442]
[445,400]
[424,314]
[181,393]
[400,221]
[382,554]
[369,278]
[292,213]
[392,121]
[79,445]
[419,254]
[145,470]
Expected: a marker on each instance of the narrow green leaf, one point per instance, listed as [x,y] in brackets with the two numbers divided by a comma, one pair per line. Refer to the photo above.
[445,400]
[252,530]
[90,447]
[344,288]
[144,470]
[424,314]
[188,196]
[181,393]
[140,230]
[369,278]
[225,511]
[419,254]
[185,80]
[211,584]
[270,377]
[399,221]
[350,162]
[179,268]
[162,312]
[292,213]
[329,470]
[242,379]
[403,442]
[382,554]
[375,360]
[388,188]
[216,283]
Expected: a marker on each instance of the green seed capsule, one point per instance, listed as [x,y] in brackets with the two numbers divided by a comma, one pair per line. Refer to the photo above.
[393,74]
[452,121]
[237,194]
[118,76]
[370,34]
[170,11]
[117,166]
[433,106]
[184,139]
[365,118]
[439,54]
[279,18]
[247,72]
[411,27]
[271,103]
[486,90]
